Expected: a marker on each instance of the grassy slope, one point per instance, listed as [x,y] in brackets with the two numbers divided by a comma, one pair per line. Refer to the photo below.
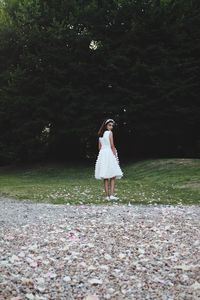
[169,181]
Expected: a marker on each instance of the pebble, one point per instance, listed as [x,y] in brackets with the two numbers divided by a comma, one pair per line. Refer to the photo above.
[95,281]
[67,278]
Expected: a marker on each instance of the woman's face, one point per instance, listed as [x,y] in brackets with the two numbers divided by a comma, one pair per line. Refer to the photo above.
[109,126]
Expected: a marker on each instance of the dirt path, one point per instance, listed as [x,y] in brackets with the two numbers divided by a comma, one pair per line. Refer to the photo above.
[114,252]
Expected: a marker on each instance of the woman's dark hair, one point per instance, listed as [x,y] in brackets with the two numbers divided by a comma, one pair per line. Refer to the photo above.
[103,128]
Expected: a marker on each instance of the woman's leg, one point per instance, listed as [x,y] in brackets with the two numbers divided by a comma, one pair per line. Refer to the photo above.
[112,185]
[106,187]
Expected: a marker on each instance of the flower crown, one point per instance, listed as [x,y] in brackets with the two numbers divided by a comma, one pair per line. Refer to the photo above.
[109,120]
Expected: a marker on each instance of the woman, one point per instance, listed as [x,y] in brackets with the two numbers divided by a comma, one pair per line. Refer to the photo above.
[107,163]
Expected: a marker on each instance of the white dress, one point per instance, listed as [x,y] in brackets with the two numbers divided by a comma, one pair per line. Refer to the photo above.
[107,164]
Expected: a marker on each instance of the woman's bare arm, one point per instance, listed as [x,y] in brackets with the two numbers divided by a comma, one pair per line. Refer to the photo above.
[99,145]
[112,143]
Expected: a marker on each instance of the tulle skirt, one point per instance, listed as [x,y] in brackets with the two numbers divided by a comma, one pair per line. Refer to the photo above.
[107,165]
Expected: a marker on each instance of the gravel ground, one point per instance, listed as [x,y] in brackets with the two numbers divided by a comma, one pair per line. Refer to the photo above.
[93,252]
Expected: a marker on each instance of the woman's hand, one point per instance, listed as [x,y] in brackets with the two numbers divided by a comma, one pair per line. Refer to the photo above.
[114,151]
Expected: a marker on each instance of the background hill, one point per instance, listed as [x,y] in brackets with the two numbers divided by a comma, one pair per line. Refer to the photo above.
[161,181]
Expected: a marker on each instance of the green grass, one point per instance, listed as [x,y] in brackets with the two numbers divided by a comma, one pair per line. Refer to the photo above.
[161,181]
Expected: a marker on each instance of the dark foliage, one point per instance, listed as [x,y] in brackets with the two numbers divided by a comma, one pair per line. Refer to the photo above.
[66,65]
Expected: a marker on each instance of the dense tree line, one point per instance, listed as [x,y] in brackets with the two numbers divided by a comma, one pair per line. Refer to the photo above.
[66,65]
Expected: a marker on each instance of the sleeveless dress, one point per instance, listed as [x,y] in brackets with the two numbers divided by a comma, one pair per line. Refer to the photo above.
[107,164]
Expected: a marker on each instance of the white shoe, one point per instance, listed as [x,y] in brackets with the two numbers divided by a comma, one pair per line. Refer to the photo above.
[107,198]
[113,197]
